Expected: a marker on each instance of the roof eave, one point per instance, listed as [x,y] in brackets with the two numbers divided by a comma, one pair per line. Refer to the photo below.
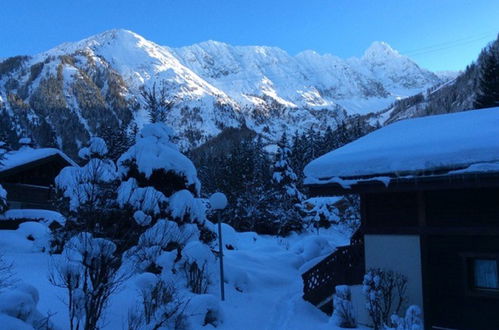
[415,183]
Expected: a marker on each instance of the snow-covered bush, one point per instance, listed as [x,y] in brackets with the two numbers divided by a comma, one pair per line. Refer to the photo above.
[87,185]
[88,198]
[143,215]
[411,321]
[385,293]
[320,212]
[154,160]
[197,258]
[159,305]
[6,274]
[160,181]
[90,274]
[97,148]
[343,313]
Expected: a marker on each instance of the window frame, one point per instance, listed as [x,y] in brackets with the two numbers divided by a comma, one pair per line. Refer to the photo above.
[469,275]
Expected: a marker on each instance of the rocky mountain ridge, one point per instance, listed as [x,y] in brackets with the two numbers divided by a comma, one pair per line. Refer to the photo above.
[65,95]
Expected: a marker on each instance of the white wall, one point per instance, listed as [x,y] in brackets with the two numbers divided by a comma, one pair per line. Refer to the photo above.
[400,253]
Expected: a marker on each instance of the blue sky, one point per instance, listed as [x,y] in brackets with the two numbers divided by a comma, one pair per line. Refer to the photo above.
[438,34]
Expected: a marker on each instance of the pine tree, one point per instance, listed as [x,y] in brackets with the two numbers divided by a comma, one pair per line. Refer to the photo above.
[118,140]
[156,102]
[283,175]
[285,194]
[488,80]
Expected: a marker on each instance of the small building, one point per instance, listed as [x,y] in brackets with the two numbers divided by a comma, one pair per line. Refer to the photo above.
[429,192]
[28,176]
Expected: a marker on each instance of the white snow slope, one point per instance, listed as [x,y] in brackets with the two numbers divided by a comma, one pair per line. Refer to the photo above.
[263,281]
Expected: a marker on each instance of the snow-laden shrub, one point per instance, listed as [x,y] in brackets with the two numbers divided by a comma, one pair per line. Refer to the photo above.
[321,212]
[185,208]
[163,236]
[97,148]
[154,160]
[141,218]
[145,199]
[411,321]
[197,259]
[385,293]
[86,185]
[90,274]
[159,305]
[343,312]
[88,198]
[6,274]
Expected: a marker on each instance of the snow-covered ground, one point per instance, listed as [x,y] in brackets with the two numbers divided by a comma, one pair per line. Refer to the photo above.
[263,280]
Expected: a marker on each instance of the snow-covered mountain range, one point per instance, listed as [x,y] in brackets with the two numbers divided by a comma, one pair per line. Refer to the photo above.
[70,92]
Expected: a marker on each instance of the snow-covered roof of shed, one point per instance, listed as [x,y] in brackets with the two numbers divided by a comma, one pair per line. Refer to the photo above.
[27,155]
[459,141]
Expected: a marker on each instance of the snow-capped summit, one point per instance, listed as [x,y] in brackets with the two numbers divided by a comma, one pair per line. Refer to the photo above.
[379,50]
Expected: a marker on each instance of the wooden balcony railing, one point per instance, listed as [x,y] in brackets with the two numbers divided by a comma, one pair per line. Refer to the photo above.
[345,266]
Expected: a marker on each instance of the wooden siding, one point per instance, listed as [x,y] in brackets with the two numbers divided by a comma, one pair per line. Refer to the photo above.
[28,196]
[450,303]
[462,207]
[390,209]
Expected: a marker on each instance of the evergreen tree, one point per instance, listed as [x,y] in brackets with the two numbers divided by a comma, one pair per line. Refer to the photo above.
[156,102]
[285,195]
[488,80]
[283,175]
[118,140]
[3,193]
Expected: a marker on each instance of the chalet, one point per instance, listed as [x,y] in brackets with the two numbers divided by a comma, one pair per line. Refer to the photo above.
[429,192]
[28,174]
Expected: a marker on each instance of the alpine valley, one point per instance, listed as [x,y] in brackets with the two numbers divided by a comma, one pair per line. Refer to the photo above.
[63,96]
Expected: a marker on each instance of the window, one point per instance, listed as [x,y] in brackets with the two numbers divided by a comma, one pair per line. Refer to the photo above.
[483,273]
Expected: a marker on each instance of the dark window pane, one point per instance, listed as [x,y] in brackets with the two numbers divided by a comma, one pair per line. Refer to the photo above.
[485,274]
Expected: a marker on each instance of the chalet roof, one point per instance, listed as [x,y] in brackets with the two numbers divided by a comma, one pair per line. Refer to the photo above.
[26,155]
[455,144]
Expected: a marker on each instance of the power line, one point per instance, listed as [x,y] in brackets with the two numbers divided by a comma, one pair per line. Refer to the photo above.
[449,44]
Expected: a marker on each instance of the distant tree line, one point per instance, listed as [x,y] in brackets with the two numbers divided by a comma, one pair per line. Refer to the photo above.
[265,189]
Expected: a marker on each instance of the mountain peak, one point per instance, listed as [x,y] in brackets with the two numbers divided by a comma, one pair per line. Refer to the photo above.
[379,50]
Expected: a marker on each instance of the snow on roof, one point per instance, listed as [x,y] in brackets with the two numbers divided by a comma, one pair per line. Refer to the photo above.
[27,155]
[448,142]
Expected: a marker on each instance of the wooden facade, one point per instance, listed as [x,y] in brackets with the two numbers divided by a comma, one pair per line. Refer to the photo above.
[30,185]
[457,221]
